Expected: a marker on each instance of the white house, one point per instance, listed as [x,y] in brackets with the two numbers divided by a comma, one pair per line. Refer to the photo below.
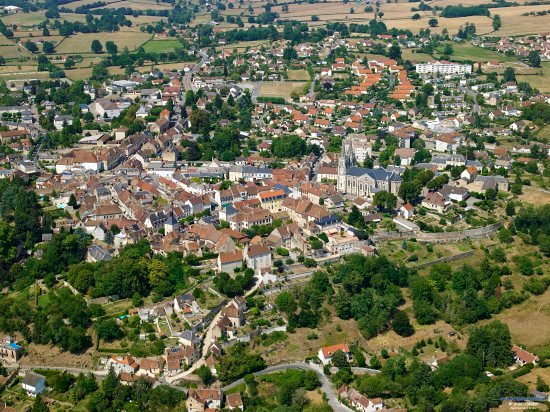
[258,257]
[60,122]
[125,364]
[522,357]
[325,354]
[34,384]
[406,211]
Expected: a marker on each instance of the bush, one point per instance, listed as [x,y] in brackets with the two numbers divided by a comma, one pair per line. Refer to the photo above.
[282,251]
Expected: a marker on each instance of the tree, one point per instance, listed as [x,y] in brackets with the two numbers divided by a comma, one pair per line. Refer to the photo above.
[96,46]
[542,386]
[394,52]
[497,23]
[433,22]
[509,75]
[72,201]
[339,359]
[200,122]
[409,190]
[108,330]
[39,405]
[31,46]
[355,217]
[48,47]
[534,59]
[286,303]
[401,324]
[448,49]
[416,16]
[491,344]
[205,374]
[384,200]
[111,47]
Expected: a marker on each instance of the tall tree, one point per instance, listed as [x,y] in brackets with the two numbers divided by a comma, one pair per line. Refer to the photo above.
[96,46]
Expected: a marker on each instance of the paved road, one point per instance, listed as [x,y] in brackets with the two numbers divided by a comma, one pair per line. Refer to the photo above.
[326,386]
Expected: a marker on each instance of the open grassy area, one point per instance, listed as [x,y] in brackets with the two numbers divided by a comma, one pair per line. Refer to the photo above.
[534,196]
[539,80]
[161,46]
[280,89]
[242,46]
[412,55]
[465,51]
[298,75]
[81,42]
[14,52]
[529,322]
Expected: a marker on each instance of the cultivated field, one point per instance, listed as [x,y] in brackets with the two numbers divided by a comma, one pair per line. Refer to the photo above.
[75,4]
[35,18]
[81,42]
[139,5]
[86,72]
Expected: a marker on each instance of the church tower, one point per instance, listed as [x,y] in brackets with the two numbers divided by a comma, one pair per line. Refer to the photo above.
[344,163]
[171,224]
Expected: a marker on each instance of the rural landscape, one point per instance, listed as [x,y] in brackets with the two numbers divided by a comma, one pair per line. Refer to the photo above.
[290,206]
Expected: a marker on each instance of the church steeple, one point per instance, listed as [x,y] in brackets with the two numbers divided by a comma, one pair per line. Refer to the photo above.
[171,224]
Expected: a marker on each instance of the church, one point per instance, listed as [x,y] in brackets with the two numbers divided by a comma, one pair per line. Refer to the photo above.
[363,182]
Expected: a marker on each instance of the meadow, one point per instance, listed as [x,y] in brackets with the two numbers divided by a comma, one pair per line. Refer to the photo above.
[161,46]
[81,42]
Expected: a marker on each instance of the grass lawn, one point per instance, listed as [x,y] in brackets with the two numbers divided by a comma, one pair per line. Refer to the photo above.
[464,51]
[161,46]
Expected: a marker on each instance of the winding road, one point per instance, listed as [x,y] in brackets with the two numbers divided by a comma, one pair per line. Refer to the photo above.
[326,386]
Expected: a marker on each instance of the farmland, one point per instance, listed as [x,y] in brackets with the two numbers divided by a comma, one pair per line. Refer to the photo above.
[81,42]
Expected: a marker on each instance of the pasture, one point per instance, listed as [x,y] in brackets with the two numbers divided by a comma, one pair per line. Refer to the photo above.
[81,42]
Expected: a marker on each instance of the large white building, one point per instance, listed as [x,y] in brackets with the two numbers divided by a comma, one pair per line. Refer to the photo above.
[443,67]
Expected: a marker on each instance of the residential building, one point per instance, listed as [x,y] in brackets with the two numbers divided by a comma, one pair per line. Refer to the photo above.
[325,354]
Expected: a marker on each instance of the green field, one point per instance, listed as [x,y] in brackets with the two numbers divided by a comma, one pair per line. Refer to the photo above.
[470,52]
[161,46]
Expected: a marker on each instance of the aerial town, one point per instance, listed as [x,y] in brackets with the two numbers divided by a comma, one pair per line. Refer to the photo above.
[248,206]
